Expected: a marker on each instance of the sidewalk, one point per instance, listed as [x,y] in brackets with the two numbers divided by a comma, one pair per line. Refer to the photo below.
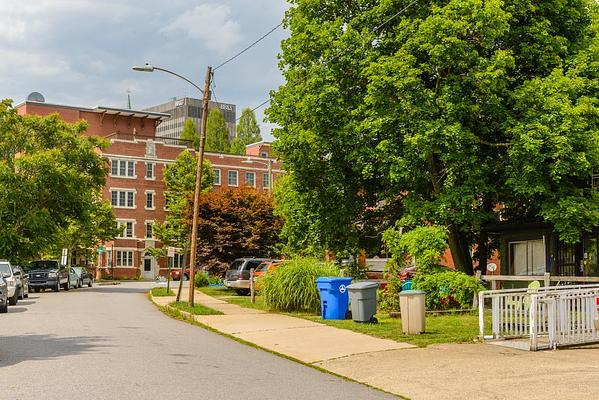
[447,371]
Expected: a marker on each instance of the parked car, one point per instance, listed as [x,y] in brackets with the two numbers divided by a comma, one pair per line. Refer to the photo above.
[3,295]
[23,287]
[84,276]
[48,274]
[267,266]
[11,282]
[176,273]
[237,276]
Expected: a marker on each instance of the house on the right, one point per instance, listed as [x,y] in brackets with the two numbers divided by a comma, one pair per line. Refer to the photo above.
[534,248]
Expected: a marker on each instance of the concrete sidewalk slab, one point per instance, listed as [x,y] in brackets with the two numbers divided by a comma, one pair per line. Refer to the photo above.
[250,323]
[320,342]
[476,371]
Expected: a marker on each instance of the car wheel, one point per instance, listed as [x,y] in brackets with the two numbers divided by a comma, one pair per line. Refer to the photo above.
[4,309]
[57,287]
[26,295]
[242,292]
[21,296]
[185,277]
[13,300]
[80,283]
[90,283]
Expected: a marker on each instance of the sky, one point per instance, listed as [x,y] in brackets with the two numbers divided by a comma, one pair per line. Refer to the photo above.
[80,52]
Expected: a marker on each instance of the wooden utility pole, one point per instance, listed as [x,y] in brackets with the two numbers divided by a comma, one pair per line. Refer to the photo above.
[198,188]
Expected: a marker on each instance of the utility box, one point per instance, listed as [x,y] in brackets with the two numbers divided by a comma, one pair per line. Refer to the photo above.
[411,305]
[362,296]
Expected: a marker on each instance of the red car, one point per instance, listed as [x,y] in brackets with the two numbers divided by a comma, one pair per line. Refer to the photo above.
[176,274]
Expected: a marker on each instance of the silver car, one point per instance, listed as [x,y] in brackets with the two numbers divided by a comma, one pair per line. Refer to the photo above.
[3,295]
[11,282]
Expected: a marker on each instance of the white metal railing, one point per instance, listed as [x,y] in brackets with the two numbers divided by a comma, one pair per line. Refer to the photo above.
[548,317]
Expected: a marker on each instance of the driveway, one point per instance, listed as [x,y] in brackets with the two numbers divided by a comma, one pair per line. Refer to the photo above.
[111,343]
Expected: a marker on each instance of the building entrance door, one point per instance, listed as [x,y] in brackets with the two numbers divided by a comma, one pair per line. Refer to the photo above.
[148,272]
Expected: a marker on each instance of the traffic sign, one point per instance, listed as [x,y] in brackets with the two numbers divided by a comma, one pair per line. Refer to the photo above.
[100,250]
[171,251]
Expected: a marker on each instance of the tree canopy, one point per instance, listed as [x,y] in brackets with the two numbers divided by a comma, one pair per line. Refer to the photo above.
[235,223]
[445,109]
[248,132]
[51,176]
[217,133]
[190,133]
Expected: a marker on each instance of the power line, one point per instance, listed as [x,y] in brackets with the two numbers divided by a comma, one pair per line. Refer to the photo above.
[249,47]
[375,30]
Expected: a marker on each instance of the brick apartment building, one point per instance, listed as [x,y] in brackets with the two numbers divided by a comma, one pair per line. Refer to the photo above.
[134,187]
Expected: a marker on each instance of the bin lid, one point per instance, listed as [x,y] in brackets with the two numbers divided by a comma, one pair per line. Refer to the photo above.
[363,285]
[331,279]
[411,292]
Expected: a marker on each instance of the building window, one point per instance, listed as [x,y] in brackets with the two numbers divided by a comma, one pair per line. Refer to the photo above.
[264,154]
[149,229]
[527,257]
[126,228]
[176,261]
[150,171]
[122,198]
[266,181]
[233,181]
[149,200]
[250,179]
[124,258]
[216,176]
[595,180]
[123,168]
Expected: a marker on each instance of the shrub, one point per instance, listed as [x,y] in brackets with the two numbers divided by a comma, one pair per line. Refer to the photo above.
[388,299]
[292,287]
[447,289]
[200,279]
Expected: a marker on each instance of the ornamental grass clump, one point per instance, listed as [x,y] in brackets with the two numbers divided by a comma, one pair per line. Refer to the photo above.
[292,287]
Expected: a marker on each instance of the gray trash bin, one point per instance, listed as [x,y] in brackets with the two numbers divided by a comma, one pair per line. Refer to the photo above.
[411,305]
[362,296]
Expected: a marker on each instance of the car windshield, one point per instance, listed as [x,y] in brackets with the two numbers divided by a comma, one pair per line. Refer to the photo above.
[78,270]
[5,269]
[236,264]
[262,267]
[44,265]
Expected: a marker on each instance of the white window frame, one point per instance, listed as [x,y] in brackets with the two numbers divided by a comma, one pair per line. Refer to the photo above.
[253,174]
[122,223]
[153,176]
[150,223]
[126,191]
[236,178]
[120,162]
[266,181]
[127,255]
[153,193]
[217,176]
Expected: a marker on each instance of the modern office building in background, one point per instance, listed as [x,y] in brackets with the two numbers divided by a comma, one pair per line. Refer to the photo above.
[189,108]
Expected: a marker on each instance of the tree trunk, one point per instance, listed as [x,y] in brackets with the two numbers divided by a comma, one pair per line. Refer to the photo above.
[459,250]
[482,252]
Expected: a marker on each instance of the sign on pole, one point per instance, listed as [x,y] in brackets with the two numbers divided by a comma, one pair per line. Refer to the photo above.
[170,251]
[100,249]
[63,259]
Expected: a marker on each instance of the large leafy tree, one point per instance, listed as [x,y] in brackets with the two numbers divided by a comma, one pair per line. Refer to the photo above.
[190,133]
[233,224]
[447,107]
[248,132]
[50,175]
[217,133]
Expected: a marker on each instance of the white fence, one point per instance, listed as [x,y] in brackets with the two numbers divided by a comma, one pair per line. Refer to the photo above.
[547,317]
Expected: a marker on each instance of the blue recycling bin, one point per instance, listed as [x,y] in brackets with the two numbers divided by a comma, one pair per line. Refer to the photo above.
[334,297]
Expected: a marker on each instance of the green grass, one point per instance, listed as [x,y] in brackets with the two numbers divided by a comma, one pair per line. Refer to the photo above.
[161,292]
[444,328]
[197,309]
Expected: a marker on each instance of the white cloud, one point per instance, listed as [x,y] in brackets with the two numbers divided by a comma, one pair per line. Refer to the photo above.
[33,64]
[210,23]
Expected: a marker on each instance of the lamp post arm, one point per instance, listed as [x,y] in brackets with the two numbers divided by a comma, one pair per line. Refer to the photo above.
[180,76]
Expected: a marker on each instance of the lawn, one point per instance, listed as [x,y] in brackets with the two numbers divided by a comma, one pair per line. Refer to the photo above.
[161,292]
[440,328]
[197,309]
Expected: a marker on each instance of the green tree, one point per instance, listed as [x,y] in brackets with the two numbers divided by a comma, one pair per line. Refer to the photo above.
[50,175]
[448,108]
[217,133]
[190,133]
[248,132]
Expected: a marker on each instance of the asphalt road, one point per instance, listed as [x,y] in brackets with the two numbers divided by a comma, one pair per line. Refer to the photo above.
[112,343]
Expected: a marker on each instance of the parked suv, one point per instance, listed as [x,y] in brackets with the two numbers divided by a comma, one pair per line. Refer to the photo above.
[44,274]
[238,275]
[11,282]
[3,295]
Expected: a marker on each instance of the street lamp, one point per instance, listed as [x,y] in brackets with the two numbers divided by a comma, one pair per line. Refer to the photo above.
[268,164]
[198,183]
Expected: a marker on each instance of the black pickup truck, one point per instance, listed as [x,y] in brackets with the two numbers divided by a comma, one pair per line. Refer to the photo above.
[48,274]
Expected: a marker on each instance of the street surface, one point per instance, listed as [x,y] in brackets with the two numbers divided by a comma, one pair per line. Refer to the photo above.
[110,342]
